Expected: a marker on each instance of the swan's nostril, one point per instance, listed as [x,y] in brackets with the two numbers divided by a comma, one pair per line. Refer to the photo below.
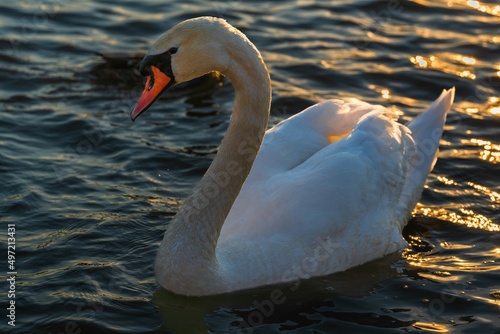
[151,81]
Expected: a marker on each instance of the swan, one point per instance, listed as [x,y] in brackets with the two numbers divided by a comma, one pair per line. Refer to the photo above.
[327,189]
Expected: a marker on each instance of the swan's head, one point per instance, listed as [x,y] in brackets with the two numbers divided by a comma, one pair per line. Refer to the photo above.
[190,49]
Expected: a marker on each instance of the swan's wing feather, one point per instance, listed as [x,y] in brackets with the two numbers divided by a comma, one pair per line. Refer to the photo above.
[297,138]
[364,173]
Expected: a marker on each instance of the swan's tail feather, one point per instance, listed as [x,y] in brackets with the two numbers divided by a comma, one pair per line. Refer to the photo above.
[436,114]
[427,129]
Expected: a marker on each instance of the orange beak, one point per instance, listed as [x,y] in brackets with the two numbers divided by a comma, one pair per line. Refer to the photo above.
[155,85]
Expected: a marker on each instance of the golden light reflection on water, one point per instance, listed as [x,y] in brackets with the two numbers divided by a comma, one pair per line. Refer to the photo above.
[440,277]
[385,94]
[479,110]
[442,266]
[492,9]
[487,300]
[436,265]
[482,7]
[477,190]
[447,181]
[493,195]
[419,61]
[449,63]
[494,103]
[468,60]
[461,65]
[431,327]
[495,110]
[464,216]
[489,151]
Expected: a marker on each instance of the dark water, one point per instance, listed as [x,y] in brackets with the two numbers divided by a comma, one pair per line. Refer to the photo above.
[90,193]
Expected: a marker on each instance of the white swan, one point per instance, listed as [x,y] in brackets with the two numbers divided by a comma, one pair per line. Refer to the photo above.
[331,187]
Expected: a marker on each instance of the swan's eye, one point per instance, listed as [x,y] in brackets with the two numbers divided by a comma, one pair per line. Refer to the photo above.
[145,71]
[172,50]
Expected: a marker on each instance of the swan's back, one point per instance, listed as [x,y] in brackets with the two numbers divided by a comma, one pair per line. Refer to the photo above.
[297,138]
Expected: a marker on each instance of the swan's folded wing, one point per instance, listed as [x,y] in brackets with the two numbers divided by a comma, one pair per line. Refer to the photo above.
[299,137]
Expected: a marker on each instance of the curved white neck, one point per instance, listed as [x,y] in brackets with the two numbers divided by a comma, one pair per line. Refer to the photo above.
[188,247]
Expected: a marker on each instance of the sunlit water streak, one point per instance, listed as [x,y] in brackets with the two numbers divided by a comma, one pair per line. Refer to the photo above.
[91,193]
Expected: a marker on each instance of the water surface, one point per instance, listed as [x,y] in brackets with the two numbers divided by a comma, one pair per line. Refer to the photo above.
[91,193]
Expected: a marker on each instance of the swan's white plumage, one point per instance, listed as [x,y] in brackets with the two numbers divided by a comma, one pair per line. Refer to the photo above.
[326,191]
[358,191]
[309,206]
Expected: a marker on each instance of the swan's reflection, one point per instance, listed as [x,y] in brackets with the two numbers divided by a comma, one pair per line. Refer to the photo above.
[281,304]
